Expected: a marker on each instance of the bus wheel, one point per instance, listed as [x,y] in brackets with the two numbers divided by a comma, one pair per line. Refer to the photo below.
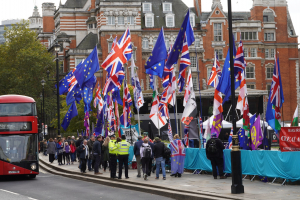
[32,175]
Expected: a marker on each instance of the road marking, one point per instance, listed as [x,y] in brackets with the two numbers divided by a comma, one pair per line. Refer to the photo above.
[31,198]
[9,192]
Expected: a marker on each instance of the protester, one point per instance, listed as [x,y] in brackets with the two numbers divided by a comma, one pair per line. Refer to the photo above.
[69,140]
[45,147]
[73,151]
[214,152]
[55,156]
[123,152]
[136,151]
[51,150]
[97,154]
[91,157]
[83,155]
[64,151]
[158,151]
[67,152]
[178,156]
[151,158]
[60,149]
[145,153]
[146,136]
[113,156]
[78,143]
[105,153]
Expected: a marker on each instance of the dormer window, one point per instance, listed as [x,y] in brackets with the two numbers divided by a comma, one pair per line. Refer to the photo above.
[167,7]
[170,20]
[149,20]
[147,7]
[192,19]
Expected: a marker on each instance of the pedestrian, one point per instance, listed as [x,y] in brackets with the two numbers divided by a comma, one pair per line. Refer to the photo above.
[214,152]
[69,140]
[136,151]
[64,151]
[145,153]
[91,157]
[73,151]
[113,156]
[78,143]
[55,156]
[105,153]
[51,149]
[151,159]
[178,156]
[67,152]
[83,155]
[45,147]
[60,149]
[97,154]
[158,151]
[123,153]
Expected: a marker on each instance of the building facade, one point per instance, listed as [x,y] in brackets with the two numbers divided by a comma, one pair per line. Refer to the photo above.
[80,25]
[8,24]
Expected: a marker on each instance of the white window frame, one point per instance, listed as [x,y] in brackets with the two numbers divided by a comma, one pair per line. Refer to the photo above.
[167,43]
[145,43]
[197,43]
[235,36]
[130,20]
[169,16]
[221,36]
[266,36]
[208,72]
[272,53]
[150,15]
[245,52]
[270,72]
[111,20]
[267,53]
[193,60]
[121,17]
[217,51]
[248,33]
[109,45]
[150,7]
[195,82]
[164,8]
[247,73]
[193,19]
[78,60]
[253,52]
[148,83]
[248,86]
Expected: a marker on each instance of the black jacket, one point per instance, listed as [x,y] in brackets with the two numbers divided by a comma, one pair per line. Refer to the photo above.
[137,147]
[158,149]
[152,146]
[97,147]
[219,146]
[78,142]
[82,154]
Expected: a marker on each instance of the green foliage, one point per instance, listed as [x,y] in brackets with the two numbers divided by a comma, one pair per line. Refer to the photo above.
[23,63]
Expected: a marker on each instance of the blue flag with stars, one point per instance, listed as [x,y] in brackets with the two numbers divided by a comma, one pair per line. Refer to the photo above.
[116,96]
[243,139]
[224,85]
[186,29]
[75,94]
[100,123]
[88,93]
[156,62]
[72,112]
[88,69]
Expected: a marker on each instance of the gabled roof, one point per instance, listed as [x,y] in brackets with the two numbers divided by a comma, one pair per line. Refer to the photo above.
[88,42]
[74,3]
[235,15]
[91,19]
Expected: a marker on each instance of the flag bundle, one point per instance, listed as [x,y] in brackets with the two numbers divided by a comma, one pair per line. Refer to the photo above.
[137,90]
[158,120]
[242,103]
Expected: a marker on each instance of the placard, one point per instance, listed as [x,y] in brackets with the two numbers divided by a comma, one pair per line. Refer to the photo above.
[289,139]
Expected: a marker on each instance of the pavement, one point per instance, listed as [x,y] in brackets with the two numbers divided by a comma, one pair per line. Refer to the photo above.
[202,186]
[47,186]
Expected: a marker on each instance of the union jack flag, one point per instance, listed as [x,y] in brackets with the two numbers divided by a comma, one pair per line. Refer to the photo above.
[186,135]
[229,144]
[239,61]
[113,82]
[119,55]
[137,90]
[98,99]
[189,85]
[127,102]
[184,63]
[172,90]
[215,73]
[163,104]
[167,75]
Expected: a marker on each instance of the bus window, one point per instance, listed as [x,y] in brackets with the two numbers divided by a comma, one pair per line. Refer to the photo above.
[17,109]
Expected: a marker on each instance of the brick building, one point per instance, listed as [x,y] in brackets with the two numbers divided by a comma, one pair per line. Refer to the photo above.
[267,28]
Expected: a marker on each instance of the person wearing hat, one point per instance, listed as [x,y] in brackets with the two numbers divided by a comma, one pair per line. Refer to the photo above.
[214,152]
[146,136]
[123,153]
[158,151]
[136,151]
[97,154]
[113,151]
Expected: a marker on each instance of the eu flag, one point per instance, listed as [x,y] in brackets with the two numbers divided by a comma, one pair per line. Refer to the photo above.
[100,123]
[74,94]
[243,139]
[72,112]
[88,93]
[116,96]
[177,47]
[156,62]
[88,69]
[224,85]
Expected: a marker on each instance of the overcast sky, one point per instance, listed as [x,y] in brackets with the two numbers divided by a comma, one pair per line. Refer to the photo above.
[22,9]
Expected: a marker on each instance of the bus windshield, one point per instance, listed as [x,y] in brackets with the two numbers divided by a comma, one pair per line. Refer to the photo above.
[17,109]
[17,148]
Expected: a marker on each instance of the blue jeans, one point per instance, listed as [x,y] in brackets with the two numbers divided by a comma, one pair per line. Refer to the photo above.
[73,157]
[89,162]
[160,162]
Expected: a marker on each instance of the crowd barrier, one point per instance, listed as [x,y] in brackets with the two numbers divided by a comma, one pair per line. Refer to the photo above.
[273,164]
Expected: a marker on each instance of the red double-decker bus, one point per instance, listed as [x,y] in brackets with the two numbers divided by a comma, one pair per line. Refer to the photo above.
[18,136]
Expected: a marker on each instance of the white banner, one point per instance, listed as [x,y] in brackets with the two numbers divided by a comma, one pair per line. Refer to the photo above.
[134,134]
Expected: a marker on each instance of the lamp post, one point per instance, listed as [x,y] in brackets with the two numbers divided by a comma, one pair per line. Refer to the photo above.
[41,97]
[43,82]
[236,166]
[57,49]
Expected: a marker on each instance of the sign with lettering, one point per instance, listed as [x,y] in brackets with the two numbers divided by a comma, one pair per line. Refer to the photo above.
[289,139]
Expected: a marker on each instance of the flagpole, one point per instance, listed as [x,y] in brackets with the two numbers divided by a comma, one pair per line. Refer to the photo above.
[175,110]
[199,87]
[137,103]
[158,111]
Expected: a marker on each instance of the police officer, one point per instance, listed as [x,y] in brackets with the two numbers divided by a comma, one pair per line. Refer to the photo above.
[123,152]
[113,156]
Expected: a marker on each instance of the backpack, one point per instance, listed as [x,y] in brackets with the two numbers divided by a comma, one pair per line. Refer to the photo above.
[167,152]
[212,147]
[147,151]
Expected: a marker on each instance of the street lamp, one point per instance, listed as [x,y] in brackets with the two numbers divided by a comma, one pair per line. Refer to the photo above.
[57,49]
[236,165]
[43,82]
[41,97]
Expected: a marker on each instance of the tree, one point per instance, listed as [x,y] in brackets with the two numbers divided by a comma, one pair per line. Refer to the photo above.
[23,63]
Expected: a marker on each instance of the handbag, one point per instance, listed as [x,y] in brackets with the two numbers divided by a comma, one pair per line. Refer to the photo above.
[60,151]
